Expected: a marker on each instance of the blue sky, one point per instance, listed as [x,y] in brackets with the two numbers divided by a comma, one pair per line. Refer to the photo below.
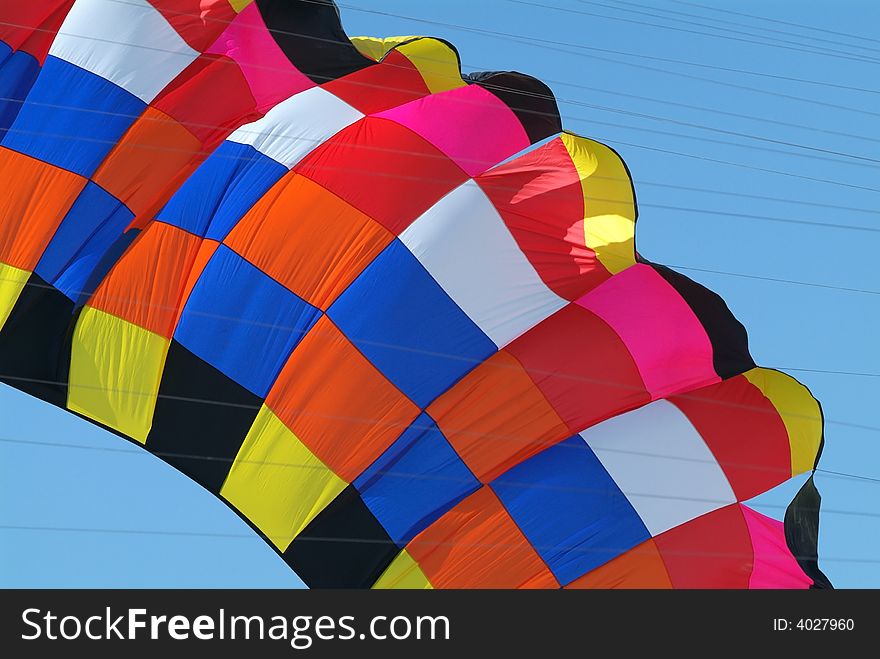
[112,515]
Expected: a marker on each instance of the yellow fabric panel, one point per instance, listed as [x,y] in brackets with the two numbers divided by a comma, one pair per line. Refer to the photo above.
[375,47]
[277,482]
[799,411]
[403,574]
[435,60]
[437,63]
[115,370]
[12,281]
[238,5]
[609,202]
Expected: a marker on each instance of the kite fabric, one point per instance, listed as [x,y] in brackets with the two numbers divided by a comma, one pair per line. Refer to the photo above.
[391,315]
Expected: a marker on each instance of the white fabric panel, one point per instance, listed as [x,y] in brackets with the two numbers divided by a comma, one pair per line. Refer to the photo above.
[295,127]
[465,245]
[666,491]
[128,43]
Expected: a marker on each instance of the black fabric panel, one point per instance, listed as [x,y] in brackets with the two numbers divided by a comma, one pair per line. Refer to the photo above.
[35,342]
[530,99]
[802,532]
[345,546]
[730,342]
[310,34]
[202,418]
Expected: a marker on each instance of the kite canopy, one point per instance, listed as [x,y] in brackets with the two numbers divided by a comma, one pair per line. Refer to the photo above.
[392,316]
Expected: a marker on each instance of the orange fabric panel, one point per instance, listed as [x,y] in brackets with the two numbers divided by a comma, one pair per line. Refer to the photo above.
[204,254]
[153,155]
[640,567]
[34,198]
[478,545]
[496,417]
[146,284]
[308,239]
[338,404]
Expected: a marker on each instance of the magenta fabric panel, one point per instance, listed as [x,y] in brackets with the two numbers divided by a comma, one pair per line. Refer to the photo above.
[267,70]
[469,124]
[774,565]
[664,336]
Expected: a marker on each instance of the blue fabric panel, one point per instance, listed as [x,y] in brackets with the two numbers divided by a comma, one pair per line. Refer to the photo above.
[92,225]
[72,118]
[415,481]
[222,190]
[407,325]
[570,509]
[243,322]
[18,71]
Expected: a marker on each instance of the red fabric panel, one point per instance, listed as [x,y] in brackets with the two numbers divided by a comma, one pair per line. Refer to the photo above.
[744,432]
[712,551]
[389,84]
[210,97]
[384,170]
[541,198]
[31,26]
[581,366]
[198,22]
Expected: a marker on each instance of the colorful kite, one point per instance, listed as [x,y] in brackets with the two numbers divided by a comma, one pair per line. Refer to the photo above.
[392,315]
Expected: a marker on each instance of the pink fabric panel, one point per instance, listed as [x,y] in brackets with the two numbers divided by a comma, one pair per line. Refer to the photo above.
[270,75]
[774,565]
[664,336]
[469,124]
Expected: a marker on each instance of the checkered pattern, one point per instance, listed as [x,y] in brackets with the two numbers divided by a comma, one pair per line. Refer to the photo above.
[366,329]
